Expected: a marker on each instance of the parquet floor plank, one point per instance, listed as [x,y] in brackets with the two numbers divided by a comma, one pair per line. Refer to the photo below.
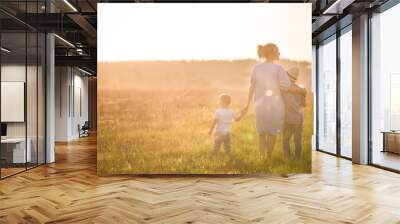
[69,191]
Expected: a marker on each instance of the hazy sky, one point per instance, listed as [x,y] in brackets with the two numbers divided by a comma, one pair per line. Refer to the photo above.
[150,31]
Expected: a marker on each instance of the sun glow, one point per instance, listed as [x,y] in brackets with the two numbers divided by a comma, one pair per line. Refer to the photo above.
[201,31]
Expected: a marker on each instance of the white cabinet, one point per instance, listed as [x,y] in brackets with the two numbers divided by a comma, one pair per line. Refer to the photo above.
[17,145]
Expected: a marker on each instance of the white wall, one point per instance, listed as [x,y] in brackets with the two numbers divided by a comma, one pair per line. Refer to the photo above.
[71,94]
[79,117]
[12,73]
[92,100]
[62,81]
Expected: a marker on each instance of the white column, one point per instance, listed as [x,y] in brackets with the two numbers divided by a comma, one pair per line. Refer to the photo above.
[50,92]
[50,100]
[360,90]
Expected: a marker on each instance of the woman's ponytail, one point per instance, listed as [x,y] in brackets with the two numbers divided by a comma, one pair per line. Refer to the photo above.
[269,51]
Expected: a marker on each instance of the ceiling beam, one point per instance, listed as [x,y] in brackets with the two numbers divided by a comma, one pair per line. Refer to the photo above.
[84,24]
[90,31]
[82,61]
[338,6]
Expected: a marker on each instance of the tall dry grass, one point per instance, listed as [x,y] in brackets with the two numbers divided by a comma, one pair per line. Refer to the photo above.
[152,121]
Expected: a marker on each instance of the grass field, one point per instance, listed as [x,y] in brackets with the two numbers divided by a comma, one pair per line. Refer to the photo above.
[165,131]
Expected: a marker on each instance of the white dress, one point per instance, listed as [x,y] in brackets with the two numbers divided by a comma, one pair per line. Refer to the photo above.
[269,106]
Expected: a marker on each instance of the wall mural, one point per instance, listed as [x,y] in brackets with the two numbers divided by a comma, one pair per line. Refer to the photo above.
[204,88]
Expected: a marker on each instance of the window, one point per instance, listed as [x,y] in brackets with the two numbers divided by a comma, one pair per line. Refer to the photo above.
[385,88]
[346,93]
[394,102]
[327,97]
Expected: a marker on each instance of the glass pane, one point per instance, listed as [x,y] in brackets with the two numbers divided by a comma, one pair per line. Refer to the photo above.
[386,89]
[327,97]
[41,99]
[31,100]
[346,94]
[13,88]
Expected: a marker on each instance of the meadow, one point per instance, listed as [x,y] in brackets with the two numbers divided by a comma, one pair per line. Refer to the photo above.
[154,118]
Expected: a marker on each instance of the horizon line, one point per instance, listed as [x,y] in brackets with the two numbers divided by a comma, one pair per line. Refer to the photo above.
[197,60]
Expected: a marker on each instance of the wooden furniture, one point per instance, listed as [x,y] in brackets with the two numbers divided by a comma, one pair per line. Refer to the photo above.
[391,141]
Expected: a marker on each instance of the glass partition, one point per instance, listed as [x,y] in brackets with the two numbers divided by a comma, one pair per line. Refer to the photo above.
[41,107]
[32,95]
[23,91]
[14,153]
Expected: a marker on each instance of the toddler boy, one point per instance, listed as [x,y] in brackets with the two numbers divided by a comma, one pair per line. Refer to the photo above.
[223,118]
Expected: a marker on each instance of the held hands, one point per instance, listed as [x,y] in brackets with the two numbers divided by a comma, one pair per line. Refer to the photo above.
[244,111]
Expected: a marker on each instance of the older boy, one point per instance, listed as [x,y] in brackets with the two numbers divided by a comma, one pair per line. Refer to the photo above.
[295,101]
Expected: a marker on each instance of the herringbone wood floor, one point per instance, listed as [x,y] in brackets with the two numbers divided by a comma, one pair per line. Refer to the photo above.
[70,192]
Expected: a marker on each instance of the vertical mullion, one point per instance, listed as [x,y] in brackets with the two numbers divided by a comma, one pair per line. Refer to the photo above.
[45,87]
[26,86]
[0,96]
[369,89]
[338,81]
[317,96]
[37,90]
[45,94]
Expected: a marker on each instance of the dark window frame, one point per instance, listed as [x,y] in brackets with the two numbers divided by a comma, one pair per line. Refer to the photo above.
[334,37]
[381,9]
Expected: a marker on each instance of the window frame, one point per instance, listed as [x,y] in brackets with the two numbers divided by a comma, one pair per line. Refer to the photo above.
[334,37]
